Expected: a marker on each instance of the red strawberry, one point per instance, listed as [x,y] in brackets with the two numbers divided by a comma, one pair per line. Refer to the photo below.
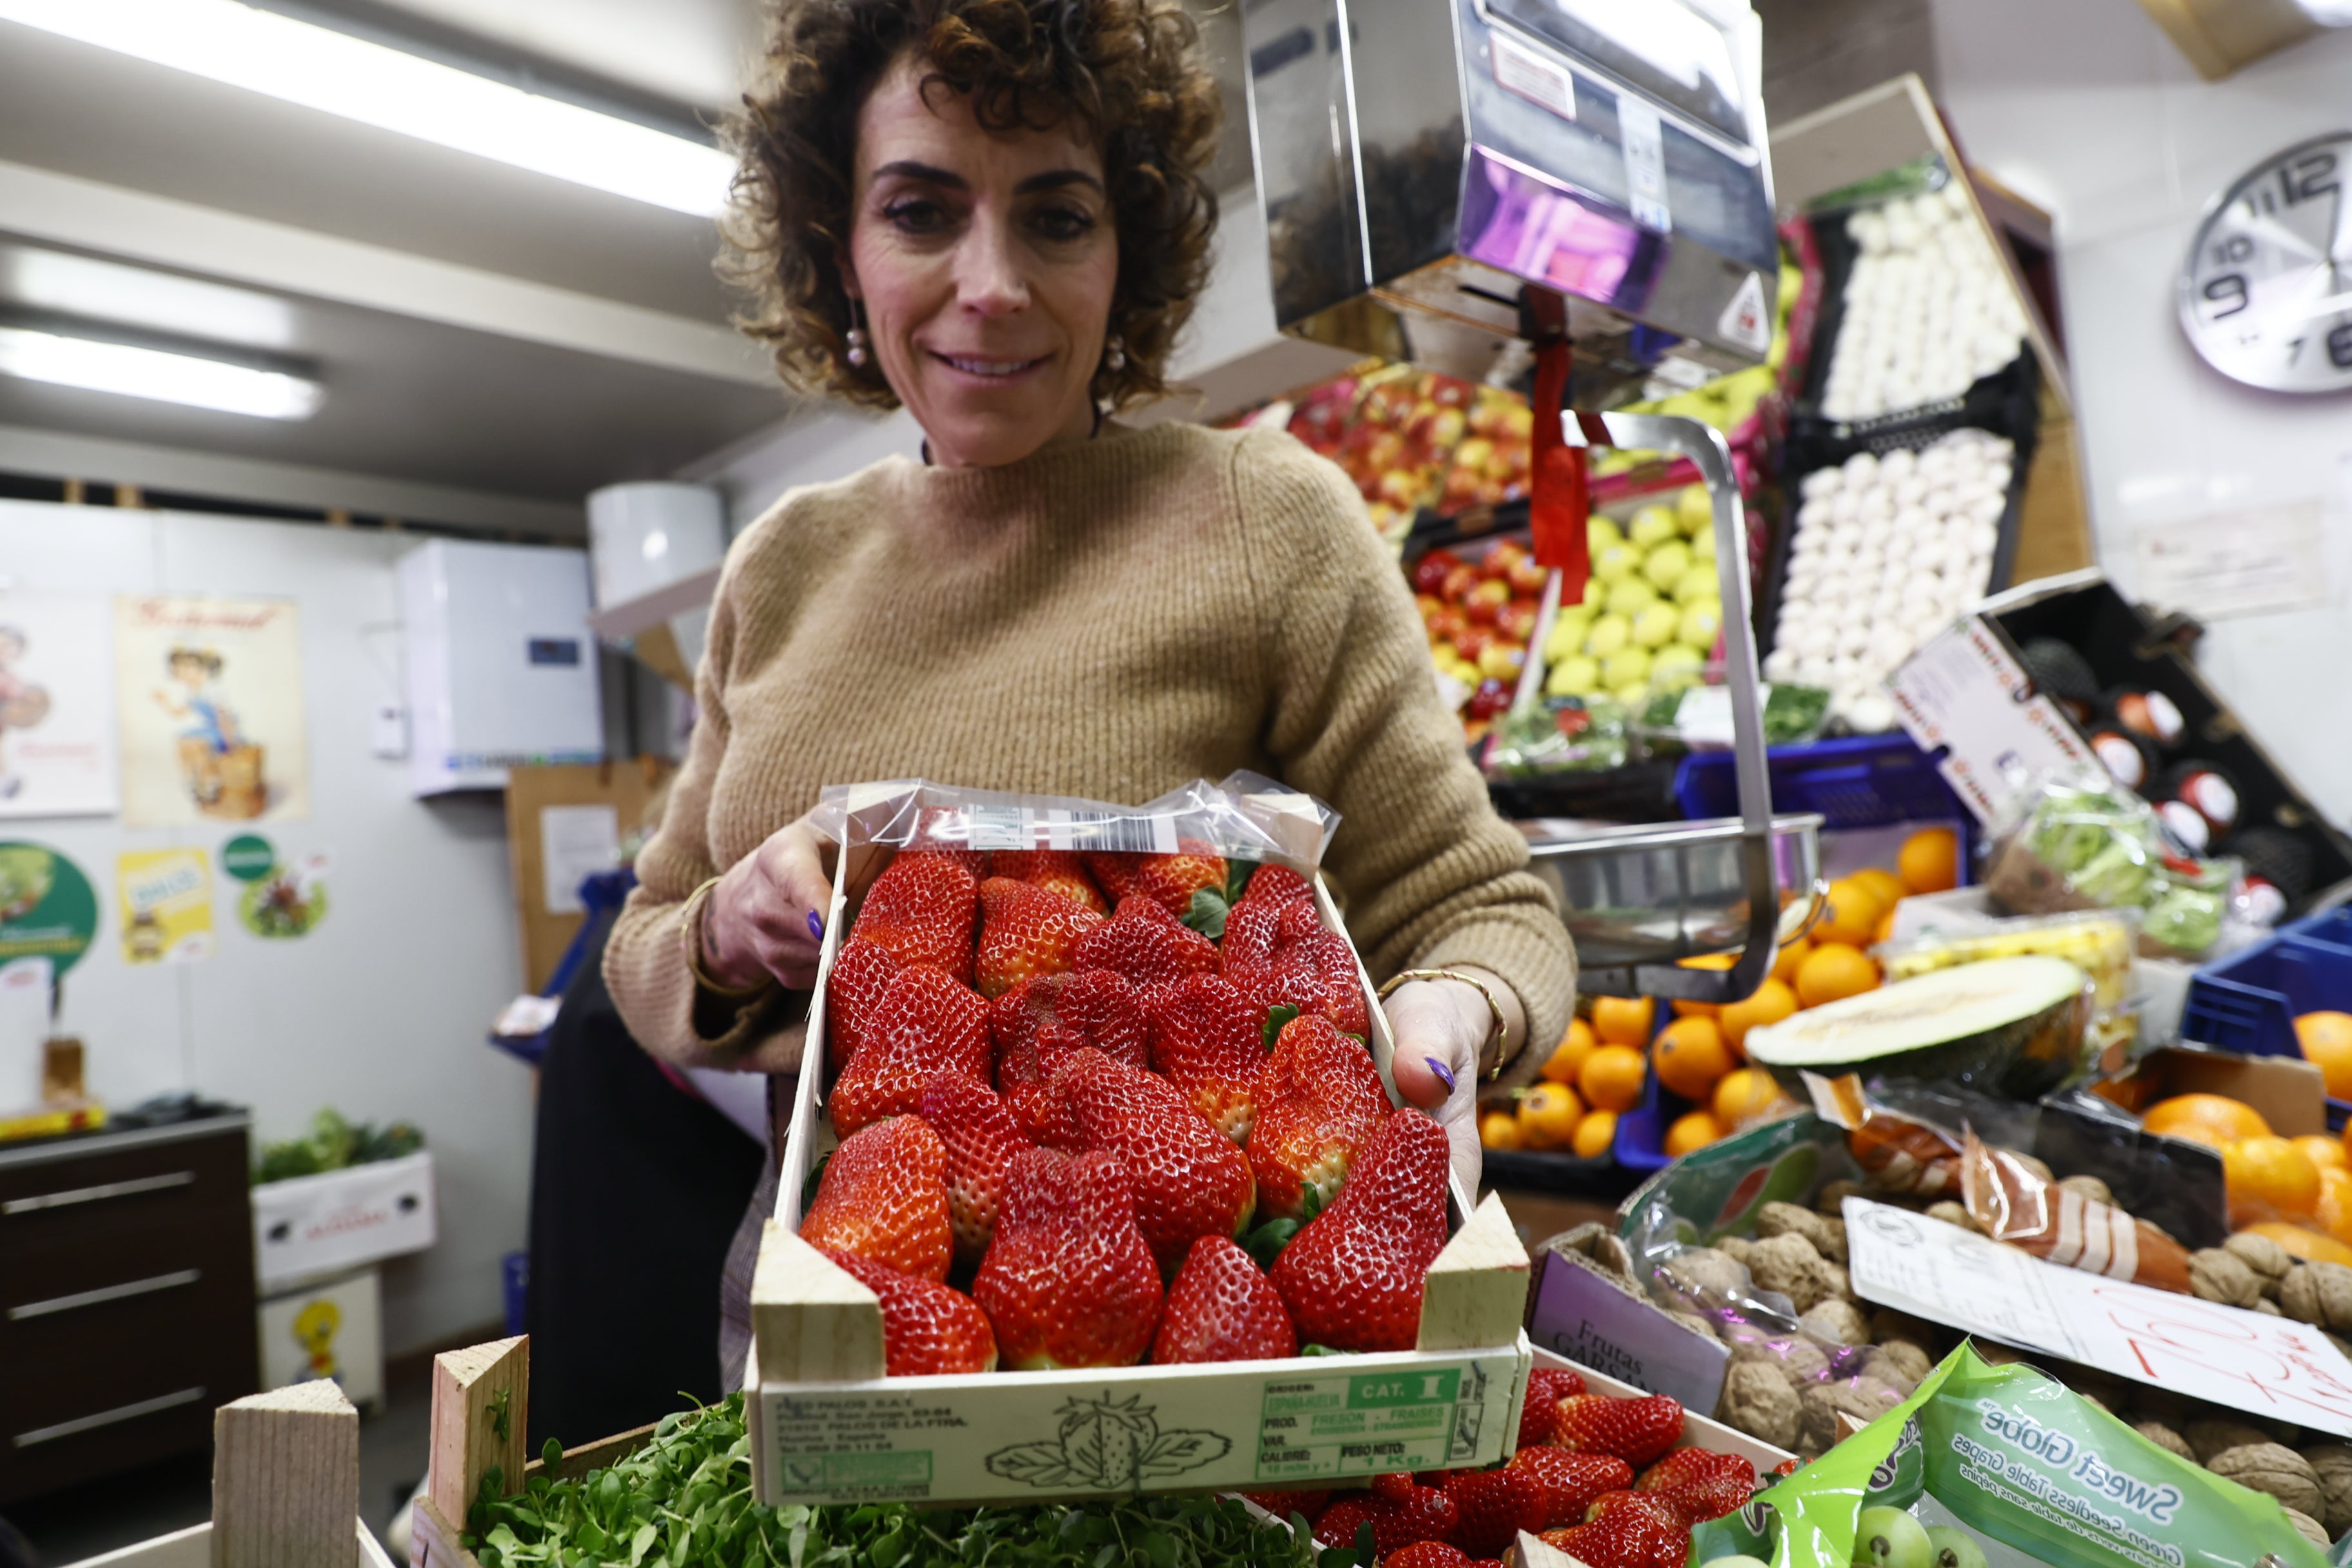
[1220,1308]
[1395,1487]
[1282,1505]
[1649,1504]
[1491,1507]
[1788,1467]
[924,1024]
[1319,975]
[1338,1524]
[1352,1279]
[1189,1180]
[1319,1099]
[1068,1280]
[1168,880]
[981,1140]
[1634,1430]
[1629,1539]
[922,908]
[1025,931]
[1143,941]
[884,1196]
[1571,1481]
[1701,1485]
[862,971]
[1424,1513]
[1209,1040]
[1547,1386]
[1057,870]
[928,1329]
[1427,1555]
[1276,885]
[946,830]
[1038,1024]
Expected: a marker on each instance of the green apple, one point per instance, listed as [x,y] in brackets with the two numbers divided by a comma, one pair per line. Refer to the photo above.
[1694,510]
[1697,583]
[1626,667]
[1889,1538]
[1698,624]
[1676,666]
[1702,545]
[1601,533]
[1655,626]
[1955,1548]
[1572,676]
[1615,562]
[1608,634]
[1631,596]
[1633,694]
[1665,566]
[1653,526]
[1569,629]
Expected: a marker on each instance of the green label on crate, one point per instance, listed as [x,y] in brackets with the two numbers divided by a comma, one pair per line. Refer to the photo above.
[1311,1427]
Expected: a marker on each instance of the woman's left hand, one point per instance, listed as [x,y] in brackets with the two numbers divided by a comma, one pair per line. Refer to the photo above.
[1442,1026]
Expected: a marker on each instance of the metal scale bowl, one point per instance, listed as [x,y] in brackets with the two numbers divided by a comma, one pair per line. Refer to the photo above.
[1435,175]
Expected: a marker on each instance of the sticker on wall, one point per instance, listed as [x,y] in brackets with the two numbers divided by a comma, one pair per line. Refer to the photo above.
[56,706]
[47,908]
[286,901]
[165,901]
[249,857]
[208,693]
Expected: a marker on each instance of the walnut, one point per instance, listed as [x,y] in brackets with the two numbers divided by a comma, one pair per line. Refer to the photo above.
[2037,1167]
[2271,1468]
[2306,1526]
[2218,1274]
[1758,1401]
[1735,1248]
[1788,1220]
[1907,1358]
[1798,1360]
[1696,1277]
[1789,1264]
[1833,1231]
[1865,1399]
[1840,1283]
[2318,1293]
[1952,1213]
[2332,1462]
[2216,1434]
[2269,1307]
[1697,1322]
[1886,1369]
[2263,1255]
[2164,1438]
[2093,1189]
[1830,1199]
[1838,1320]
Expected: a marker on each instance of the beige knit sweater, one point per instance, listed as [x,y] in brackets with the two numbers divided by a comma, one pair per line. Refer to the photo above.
[1108,621]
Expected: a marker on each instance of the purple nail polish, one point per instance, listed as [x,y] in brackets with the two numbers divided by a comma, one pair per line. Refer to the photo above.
[1444,1074]
[816,926]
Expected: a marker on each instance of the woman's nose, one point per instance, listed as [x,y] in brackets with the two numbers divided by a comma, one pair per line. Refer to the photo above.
[989,279]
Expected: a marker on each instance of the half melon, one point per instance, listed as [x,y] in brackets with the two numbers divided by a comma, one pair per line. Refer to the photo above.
[2008,1027]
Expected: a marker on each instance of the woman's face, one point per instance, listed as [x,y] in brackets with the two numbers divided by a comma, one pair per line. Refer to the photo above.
[985,262]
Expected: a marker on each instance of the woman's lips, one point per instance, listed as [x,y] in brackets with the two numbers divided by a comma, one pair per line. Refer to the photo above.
[985,368]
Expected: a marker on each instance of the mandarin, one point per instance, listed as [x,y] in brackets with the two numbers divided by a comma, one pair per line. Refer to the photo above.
[1566,1059]
[2302,1242]
[1549,1114]
[1832,972]
[2325,1151]
[2333,1210]
[1929,860]
[1852,914]
[2270,1170]
[1774,1001]
[1693,1130]
[1500,1129]
[1744,1094]
[1883,882]
[1596,1134]
[1690,1057]
[2210,1118]
[1784,962]
[1613,1078]
[2327,1041]
[1623,1020]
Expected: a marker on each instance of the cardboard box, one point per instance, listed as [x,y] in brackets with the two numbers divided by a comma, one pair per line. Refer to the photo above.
[2288,1090]
[827,1428]
[312,1226]
[333,1328]
[1578,1305]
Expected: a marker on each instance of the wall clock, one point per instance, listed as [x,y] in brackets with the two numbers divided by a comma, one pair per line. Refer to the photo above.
[2266,293]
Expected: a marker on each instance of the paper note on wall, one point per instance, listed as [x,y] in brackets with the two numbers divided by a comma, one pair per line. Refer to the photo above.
[2245,563]
[574,842]
[2263,1365]
[23,1028]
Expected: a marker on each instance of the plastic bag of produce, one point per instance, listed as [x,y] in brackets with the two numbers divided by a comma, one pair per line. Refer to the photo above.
[2001,1467]
[2080,843]
[1558,735]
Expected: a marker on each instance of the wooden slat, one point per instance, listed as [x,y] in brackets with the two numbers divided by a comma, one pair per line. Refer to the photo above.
[286,1478]
[481,1407]
[812,1321]
[192,1548]
[1476,1295]
[433,1540]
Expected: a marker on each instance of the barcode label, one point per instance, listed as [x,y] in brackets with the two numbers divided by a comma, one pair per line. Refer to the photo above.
[1019,828]
[1000,828]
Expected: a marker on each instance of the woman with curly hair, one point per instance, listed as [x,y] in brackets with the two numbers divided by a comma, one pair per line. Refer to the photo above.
[994,213]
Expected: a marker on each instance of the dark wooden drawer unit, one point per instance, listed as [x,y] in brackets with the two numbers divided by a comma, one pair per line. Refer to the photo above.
[126,1299]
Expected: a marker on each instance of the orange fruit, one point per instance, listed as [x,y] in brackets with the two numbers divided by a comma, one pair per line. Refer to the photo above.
[1695,1130]
[2270,1170]
[1885,932]
[2333,1210]
[1883,882]
[1613,1078]
[1774,1001]
[1598,1132]
[1744,1094]
[2301,1243]
[1852,914]
[2327,1041]
[1784,963]
[2211,1119]
[1691,1057]
[1500,1129]
[1834,971]
[1704,961]
[1624,1020]
[1929,860]
[2326,1152]
[1566,1059]
[1549,1114]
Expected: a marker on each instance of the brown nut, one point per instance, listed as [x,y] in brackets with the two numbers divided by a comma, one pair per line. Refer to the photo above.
[1788,1220]
[2034,1165]
[2218,1274]
[1788,1265]
[1833,1247]
[2269,1307]
[1865,1399]
[1758,1401]
[2164,1438]
[1735,1248]
[1838,1320]
[2332,1462]
[2318,1293]
[1697,1276]
[2261,1254]
[1886,1323]
[1952,1213]
[2306,1526]
[2215,1435]
[1830,1199]
[2271,1468]
[1907,1358]
[2092,1189]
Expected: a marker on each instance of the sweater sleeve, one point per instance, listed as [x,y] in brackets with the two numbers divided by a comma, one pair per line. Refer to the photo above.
[1432,875]
[645,966]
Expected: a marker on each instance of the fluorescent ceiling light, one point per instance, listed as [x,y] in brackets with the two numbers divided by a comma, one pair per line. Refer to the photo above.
[339,74]
[152,373]
[137,296]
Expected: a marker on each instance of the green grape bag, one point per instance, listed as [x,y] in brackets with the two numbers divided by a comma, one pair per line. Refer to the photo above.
[2009,1462]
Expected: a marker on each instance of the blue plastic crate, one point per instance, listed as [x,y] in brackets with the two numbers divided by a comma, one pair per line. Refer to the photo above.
[2248,1001]
[514,1280]
[1862,781]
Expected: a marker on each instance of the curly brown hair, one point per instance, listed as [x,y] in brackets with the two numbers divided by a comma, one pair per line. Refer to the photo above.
[1126,73]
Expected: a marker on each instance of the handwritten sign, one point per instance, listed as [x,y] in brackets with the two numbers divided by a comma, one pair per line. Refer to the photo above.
[2246,1361]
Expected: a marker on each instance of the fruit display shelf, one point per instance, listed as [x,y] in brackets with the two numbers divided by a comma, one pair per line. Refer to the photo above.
[828,1426]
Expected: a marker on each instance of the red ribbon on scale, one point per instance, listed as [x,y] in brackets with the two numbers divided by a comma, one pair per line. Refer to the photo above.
[1560,501]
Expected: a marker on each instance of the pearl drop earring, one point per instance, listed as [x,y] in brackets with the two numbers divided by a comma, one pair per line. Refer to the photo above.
[853,340]
[1113,352]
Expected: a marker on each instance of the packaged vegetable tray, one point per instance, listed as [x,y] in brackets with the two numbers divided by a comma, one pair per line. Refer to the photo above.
[1063,1056]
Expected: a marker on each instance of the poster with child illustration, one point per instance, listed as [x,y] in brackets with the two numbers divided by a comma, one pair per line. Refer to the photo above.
[57,727]
[208,693]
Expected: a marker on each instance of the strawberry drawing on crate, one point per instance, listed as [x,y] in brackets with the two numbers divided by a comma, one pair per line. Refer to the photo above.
[928,1329]
[1209,1040]
[922,908]
[1025,931]
[981,1140]
[1220,1308]
[862,972]
[1107,1445]
[1062,871]
[1318,1097]
[1352,1277]
[1068,1280]
[884,1196]
[1168,880]
[926,1024]
[1146,943]
[1190,1179]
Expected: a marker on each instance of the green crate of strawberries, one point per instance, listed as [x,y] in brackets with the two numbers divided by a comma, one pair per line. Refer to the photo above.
[1101,1188]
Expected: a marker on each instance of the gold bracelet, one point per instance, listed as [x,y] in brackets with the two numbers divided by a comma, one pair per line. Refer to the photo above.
[689,942]
[1493,1008]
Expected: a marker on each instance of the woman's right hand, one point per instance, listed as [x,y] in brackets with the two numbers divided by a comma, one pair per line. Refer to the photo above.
[766,916]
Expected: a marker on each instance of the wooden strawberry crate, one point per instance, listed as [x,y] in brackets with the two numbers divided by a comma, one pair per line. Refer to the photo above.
[828,1427]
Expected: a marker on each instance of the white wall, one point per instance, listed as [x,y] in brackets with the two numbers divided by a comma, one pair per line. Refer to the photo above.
[380,1011]
[2083,105]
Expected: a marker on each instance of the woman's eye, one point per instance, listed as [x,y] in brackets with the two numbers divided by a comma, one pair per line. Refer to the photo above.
[1063,223]
[916,216]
